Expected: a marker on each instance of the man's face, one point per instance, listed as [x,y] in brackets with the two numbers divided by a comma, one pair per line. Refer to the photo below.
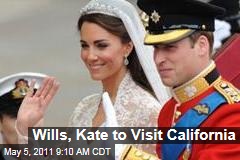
[176,62]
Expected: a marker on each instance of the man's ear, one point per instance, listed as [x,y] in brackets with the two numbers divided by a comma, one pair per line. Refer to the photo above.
[203,45]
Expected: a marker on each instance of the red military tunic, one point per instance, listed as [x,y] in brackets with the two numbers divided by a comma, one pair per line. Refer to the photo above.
[226,115]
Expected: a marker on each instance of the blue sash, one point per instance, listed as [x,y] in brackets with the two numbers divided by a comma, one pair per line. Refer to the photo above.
[191,119]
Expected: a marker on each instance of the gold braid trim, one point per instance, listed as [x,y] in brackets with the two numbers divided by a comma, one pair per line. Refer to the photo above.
[229,92]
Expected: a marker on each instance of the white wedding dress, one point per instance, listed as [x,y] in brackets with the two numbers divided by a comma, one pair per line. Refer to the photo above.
[134,106]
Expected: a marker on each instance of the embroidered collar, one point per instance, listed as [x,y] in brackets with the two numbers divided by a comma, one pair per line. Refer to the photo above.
[197,85]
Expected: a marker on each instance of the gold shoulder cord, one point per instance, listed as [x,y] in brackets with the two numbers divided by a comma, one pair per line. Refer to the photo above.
[231,93]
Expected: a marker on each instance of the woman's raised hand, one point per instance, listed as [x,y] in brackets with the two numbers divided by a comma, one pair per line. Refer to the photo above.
[33,107]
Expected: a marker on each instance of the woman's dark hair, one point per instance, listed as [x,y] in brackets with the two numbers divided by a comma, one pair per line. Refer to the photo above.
[116,27]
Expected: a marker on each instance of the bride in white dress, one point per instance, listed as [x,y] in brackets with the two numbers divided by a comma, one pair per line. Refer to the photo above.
[111,37]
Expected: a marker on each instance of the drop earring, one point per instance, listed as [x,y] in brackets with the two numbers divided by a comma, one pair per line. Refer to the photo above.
[126,62]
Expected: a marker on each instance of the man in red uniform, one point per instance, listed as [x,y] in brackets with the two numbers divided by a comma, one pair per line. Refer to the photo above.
[181,33]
